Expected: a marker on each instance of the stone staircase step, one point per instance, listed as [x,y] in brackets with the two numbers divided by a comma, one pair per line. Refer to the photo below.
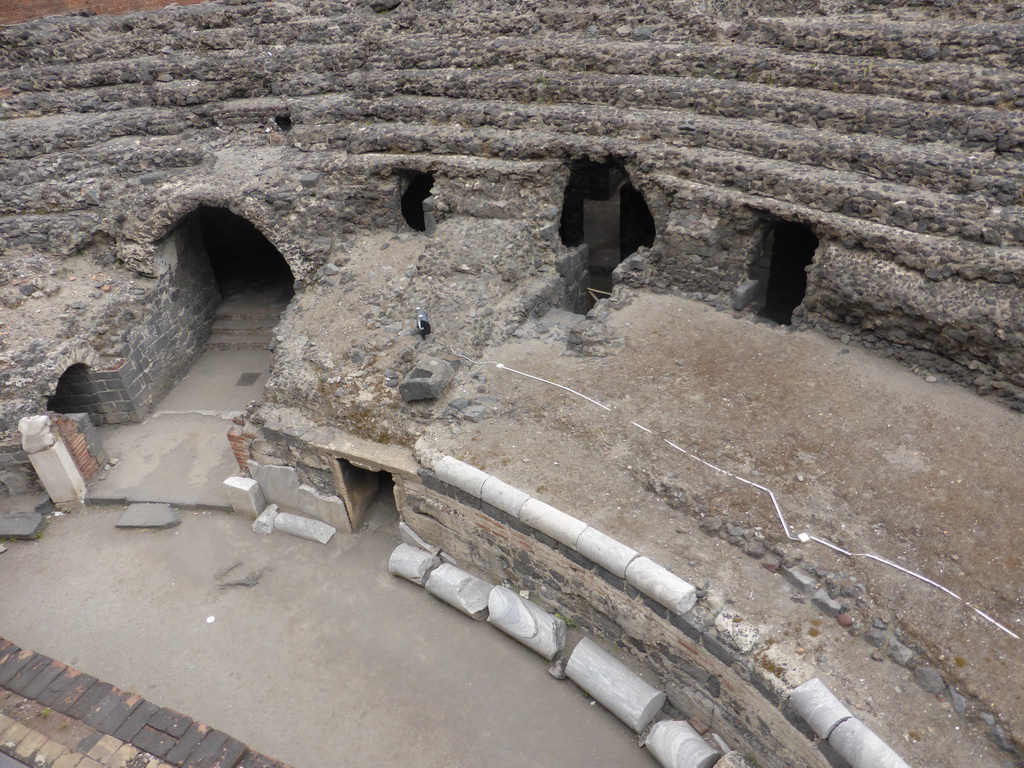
[247,341]
[924,40]
[255,324]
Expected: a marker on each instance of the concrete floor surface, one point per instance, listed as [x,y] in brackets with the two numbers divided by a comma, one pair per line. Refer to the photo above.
[328,660]
[180,453]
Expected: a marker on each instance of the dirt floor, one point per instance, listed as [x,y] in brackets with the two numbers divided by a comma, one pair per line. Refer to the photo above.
[327,660]
[859,450]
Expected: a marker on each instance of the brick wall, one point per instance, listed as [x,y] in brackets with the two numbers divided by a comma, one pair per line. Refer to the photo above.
[71,429]
[15,11]
[240,440]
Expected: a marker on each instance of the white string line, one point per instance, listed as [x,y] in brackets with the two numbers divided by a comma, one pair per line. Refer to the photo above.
[803,538]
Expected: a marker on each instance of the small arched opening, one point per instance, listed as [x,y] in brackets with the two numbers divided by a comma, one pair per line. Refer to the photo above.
[75,393]
[787,252]
[418,187]
[604,211]
[104,395]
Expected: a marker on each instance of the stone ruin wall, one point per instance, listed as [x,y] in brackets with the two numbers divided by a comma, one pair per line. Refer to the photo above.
[896,137]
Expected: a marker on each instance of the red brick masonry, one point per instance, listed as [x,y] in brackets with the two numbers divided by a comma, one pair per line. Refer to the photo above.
[14,11]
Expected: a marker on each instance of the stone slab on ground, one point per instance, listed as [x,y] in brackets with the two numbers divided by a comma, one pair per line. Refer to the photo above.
[24,525]
[158,516]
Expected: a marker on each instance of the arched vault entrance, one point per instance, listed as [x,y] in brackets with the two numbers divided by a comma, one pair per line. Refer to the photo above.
[254,280]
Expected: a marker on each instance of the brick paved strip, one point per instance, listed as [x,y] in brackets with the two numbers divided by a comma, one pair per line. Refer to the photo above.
[217,750]
[169,721]
[58,687]
[118,716]
[89,700]
[43,680]
[28,673]
[66,700]
[136,720]
[153,741]
[114,708]
[193,736]
[7,648]
[13,664]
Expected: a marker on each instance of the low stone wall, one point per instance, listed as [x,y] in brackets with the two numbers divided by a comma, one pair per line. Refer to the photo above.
[594,582]
[704,675]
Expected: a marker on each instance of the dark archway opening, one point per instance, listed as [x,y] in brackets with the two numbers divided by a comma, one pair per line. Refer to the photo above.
[76,392]
[789,248]
[284,123]
[369,496]
[416,193]
[240,255]
[603,210]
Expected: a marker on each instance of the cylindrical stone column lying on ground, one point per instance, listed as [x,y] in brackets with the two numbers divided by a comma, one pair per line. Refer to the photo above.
[460,590]
[304,527]
[816,704]
[862,748]
[609,553]
[676,744]
[462,475]
[505,497]
[659,583]
[526,622]
[561,527]
[412,564]
[607,679]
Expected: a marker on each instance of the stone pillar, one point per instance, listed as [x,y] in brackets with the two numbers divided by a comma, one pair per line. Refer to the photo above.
[51,460]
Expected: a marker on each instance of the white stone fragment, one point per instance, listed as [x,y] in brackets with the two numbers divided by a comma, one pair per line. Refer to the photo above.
[245,496]
[304,527]
[462,475]
[609,553]
[862,748]
[265,522]
[35,433]
[816,704]
[413,539]
[561,527]
[51,460]
[676,744]
[526,622]
[459,589]
[630,698]
[659,583]
[505,497]
[412,563]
